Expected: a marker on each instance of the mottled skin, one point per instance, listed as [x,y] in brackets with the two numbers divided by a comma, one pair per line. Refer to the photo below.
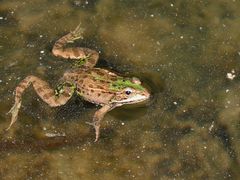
[95,85]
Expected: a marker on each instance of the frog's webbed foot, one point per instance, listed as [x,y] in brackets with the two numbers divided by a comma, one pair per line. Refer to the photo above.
[98,116]
[14,111]
[77,33]
[96,126]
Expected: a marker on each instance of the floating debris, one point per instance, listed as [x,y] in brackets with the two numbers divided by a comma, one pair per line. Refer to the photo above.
[231,75]
[55,134]
[211,127]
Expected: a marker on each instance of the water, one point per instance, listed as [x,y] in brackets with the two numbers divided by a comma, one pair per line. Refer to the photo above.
[187,53]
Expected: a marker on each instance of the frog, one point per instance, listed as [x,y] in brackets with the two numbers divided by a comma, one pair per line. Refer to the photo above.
[100,86]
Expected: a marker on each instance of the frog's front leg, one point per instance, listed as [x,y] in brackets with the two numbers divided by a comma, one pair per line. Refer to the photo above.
[98,116]
[43,90]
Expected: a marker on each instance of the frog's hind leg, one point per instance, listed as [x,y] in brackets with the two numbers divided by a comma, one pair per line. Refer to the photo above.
[68,38]
[98,116]
[76,34]
[86,57]
[43,90]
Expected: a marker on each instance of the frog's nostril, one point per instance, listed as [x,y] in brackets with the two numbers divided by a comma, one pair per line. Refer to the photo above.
[147,94]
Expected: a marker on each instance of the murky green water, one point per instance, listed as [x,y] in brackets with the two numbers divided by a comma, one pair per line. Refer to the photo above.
[187,52]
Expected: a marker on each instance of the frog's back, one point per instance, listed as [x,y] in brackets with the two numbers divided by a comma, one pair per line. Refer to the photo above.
[92,83]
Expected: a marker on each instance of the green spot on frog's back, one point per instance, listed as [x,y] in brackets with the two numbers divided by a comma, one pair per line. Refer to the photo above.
[123,83]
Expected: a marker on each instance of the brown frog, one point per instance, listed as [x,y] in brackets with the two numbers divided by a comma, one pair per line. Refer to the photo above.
[96,85]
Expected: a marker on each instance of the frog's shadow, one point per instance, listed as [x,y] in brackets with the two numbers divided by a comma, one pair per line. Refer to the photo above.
[75,109]
[79,110]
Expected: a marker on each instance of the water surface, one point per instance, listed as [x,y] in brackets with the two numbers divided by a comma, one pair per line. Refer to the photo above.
[186,52]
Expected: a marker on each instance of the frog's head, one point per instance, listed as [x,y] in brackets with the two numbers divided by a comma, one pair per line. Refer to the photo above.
[130,92]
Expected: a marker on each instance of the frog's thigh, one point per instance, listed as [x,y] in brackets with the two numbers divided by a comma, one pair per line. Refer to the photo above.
[92,57]
[46,93]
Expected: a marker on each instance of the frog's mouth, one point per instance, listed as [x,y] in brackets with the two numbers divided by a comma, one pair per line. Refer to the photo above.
[134,99]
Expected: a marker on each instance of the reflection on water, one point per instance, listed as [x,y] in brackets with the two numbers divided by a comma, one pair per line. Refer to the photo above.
[184,52]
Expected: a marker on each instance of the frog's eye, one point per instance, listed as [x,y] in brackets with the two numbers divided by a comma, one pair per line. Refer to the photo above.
[128,91]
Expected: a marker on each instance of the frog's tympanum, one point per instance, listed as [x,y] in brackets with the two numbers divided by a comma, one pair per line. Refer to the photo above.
[96,85]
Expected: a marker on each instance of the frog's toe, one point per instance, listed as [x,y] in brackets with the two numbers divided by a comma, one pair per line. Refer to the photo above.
[70,41]
[97,132]
[97,129]
[90,123]
[14,111]
[77,33]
